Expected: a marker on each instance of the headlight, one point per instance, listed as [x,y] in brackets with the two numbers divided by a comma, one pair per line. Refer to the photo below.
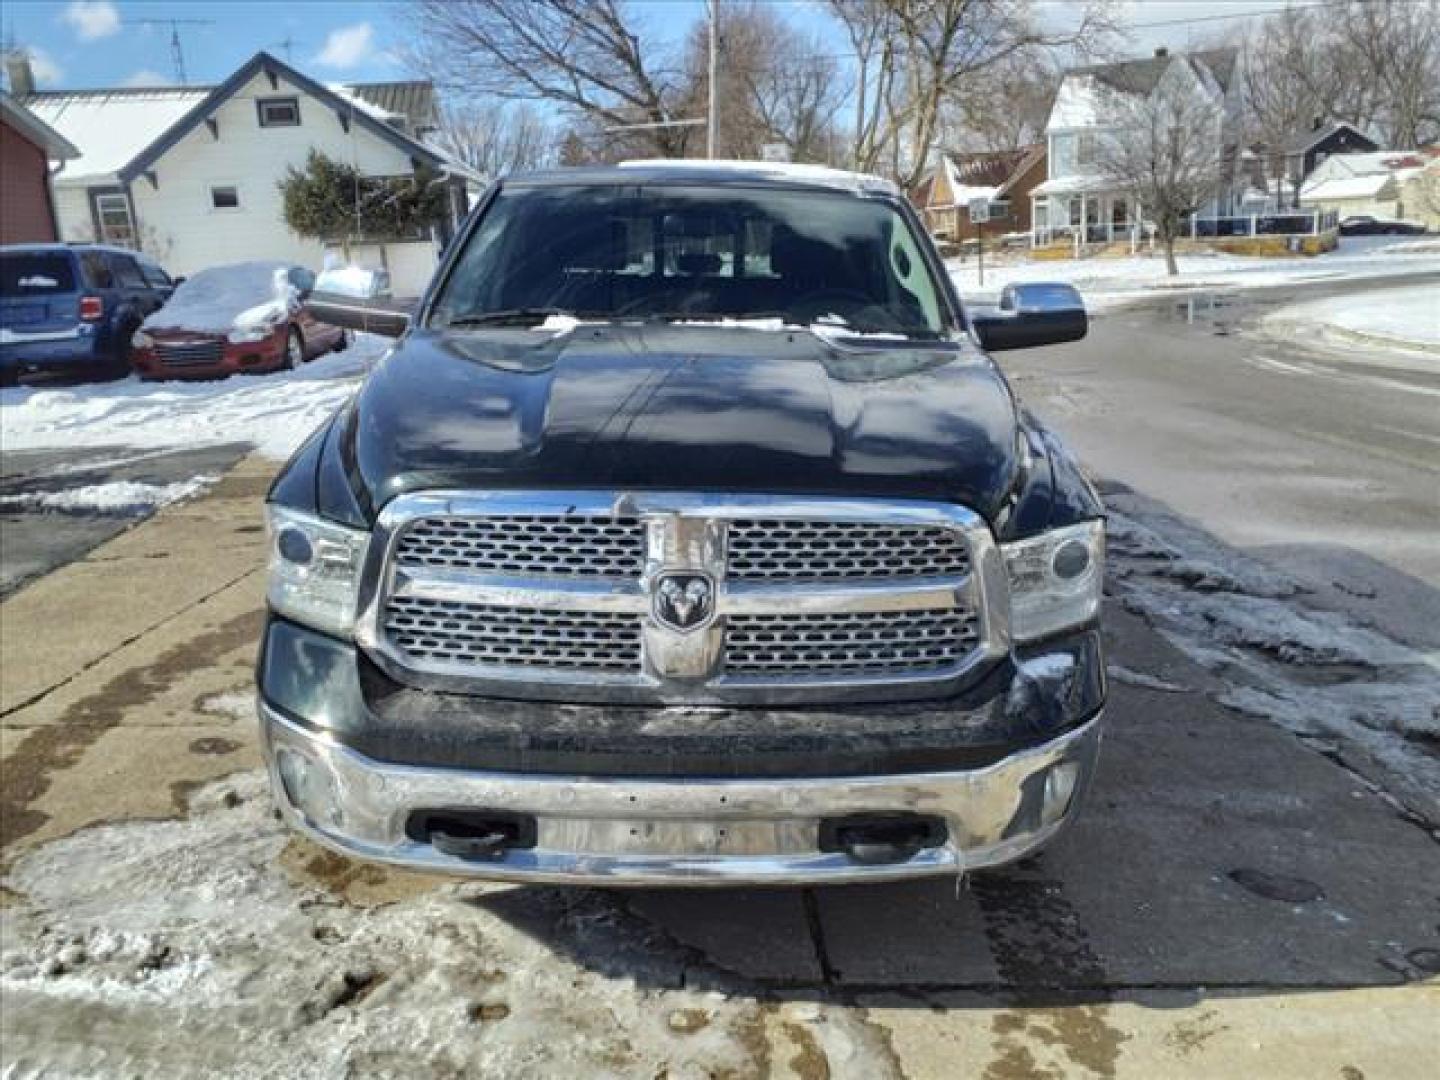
[141,340]
[1055,579]
[249,334]
[314,570]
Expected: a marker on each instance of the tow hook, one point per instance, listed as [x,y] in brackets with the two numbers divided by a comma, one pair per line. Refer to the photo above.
[878,839]
[472,835]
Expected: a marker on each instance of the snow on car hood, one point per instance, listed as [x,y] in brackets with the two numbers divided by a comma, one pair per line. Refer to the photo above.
[241,296]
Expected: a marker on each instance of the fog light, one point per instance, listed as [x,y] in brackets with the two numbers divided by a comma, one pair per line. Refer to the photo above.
[309,787]
[1060,784]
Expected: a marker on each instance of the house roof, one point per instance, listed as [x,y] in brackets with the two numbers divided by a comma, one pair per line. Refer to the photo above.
[121,132]
[1349,187]
[980,174]
[264,62]
[413,99]
[55,145]
[1080,99]
[1304,140]
[110,127]
[1143,75]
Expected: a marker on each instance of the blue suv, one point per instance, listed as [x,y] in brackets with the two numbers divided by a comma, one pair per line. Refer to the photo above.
[72,308]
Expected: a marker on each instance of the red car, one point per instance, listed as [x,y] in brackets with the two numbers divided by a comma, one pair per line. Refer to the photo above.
[246,317]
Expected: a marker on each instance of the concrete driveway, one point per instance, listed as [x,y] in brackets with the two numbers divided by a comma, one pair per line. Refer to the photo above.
[1230,902]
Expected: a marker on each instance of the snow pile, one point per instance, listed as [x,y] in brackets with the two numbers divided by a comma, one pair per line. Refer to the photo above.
[114,497]
[240,296]
[272,412]
[1404,318]
[221,946]
[1110,282]
[1355,693]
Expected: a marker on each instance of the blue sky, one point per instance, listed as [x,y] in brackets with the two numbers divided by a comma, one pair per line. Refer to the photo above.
[90,43]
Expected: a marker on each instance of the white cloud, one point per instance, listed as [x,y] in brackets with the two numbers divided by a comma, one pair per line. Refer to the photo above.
[148,77]
[44,67]
[92,19]
[347,47]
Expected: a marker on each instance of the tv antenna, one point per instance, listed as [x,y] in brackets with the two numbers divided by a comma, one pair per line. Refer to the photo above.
[177,54]
[288,46]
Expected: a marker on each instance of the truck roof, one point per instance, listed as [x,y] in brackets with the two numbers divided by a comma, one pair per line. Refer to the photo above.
[777,174]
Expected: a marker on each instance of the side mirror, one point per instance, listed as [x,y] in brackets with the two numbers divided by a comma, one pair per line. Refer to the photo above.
[386,317]
[176,282]
[1031,315]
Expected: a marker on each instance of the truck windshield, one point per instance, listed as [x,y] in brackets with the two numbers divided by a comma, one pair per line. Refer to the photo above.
[691,254]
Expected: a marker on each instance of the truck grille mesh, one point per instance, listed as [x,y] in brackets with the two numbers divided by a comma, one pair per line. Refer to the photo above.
[448,631]
[853,643]
[763,549]
[557,597]
[583,547]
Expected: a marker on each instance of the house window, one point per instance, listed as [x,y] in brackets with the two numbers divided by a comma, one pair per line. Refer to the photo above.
[225,198]
[112,219]
[1085,148]
[279,112]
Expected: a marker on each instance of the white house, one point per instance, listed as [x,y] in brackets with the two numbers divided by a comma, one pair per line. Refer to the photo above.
[1076,195]
[190,174]
[1373,184]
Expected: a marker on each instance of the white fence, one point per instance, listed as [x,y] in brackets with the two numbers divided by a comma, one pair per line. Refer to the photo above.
[1294,223]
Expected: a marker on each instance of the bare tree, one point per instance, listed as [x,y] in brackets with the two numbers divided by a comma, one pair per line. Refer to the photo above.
[1005,108]
[777,84]
[1161,149]
[917,56]
[1375,63]
[582,55]
[496,137]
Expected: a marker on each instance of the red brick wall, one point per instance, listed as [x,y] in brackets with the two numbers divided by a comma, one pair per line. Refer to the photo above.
[25,212]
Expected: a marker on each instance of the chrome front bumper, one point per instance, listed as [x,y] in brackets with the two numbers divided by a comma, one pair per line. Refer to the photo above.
[625,831]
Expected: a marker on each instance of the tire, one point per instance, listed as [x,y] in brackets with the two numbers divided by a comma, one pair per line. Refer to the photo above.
[294,351]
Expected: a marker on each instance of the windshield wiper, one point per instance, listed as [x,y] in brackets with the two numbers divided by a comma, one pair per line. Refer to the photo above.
[525,316]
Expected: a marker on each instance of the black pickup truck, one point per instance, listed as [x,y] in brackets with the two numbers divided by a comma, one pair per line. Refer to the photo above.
[687,535]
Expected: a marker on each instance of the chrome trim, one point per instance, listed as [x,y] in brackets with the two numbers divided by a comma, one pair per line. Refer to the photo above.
[686,831]
[685,533]
[9,336]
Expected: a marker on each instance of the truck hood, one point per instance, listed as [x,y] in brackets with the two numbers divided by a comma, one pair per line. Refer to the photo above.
[682,408]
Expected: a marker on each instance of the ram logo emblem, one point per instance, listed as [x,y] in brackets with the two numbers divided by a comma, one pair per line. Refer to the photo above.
[683,601]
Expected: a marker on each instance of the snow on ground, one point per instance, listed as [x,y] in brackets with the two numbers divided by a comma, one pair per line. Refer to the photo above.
[1346,688]
[219,945]
[114,497]
[274,412]
[1110,282]
[1403,318]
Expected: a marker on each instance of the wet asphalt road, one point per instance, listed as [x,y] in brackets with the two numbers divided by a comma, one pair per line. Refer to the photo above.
[36,542]
[1321,462]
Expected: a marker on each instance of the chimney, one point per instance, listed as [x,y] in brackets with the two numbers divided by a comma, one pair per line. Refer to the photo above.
[1161,53]
[17,68]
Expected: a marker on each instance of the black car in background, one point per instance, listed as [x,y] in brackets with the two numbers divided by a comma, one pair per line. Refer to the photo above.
[1368,225]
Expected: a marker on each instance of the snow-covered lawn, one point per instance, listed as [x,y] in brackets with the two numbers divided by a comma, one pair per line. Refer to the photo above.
[1406,318]
[1108,282]
[273,412]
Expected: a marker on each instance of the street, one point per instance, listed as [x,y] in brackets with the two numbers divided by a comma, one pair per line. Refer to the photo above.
[1252,889]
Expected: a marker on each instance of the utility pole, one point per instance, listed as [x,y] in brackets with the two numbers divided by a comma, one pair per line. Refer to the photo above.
[712,127]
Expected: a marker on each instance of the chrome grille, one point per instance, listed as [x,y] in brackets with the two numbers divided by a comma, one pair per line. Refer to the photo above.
[190,354]
[852,643]
[583,547]
[560,595]
[450,632]
[765,549]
